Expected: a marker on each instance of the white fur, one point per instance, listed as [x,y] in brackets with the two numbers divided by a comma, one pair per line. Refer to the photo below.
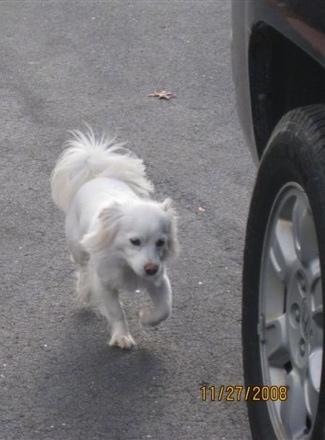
[117,236]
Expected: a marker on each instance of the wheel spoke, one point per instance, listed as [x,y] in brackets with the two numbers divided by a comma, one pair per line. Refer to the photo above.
[316,308]
[276,342]
[280,255]
[312,382]
[294,411]
[317,294]
[316,338]
[304,234]
[317,316]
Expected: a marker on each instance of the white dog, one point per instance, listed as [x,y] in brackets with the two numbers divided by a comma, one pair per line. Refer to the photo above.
[118,237]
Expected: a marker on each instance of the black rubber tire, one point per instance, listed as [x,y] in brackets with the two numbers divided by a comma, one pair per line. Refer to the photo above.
[295,153]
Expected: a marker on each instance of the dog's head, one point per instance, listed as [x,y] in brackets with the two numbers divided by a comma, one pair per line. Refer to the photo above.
[143,234]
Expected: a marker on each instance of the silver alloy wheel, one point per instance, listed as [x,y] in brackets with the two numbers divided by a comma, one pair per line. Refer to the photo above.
[291,314]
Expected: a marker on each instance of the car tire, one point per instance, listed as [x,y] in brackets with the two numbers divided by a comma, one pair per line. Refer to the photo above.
[283,274]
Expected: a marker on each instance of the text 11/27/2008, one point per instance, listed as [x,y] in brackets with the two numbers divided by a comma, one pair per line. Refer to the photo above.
[236,393]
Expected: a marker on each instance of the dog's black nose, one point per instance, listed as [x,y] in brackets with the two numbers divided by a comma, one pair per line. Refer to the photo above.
[151,269]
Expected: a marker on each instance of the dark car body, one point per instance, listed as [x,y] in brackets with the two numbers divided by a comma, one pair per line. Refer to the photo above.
[278,59]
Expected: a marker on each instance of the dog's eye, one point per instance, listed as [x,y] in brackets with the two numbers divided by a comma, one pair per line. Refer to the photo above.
[160,242]
[135,241]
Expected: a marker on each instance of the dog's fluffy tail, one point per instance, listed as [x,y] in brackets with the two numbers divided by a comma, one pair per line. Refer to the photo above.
[85,158]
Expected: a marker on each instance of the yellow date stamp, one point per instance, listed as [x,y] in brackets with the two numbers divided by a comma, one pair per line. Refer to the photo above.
[237,393]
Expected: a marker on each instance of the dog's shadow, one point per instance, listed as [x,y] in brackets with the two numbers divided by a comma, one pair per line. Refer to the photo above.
[96,389]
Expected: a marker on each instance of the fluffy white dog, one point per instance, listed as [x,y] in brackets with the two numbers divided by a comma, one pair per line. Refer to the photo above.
[118,237]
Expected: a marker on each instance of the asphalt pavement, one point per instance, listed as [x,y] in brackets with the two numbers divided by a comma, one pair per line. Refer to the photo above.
[67,63]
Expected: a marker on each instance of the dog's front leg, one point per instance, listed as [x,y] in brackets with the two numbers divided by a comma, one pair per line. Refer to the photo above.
[111,308]
[161,296]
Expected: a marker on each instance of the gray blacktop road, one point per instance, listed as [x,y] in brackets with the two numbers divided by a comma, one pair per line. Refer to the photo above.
[65,63]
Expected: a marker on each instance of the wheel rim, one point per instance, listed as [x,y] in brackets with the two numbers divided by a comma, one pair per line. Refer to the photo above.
[291,314]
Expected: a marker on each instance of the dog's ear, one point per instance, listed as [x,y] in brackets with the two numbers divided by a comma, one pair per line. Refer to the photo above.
[172,242]
[105,231]
[167,205]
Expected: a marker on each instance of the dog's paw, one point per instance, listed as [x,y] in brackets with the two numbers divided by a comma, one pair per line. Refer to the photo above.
[150,318]
[145,317]
[122,341]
